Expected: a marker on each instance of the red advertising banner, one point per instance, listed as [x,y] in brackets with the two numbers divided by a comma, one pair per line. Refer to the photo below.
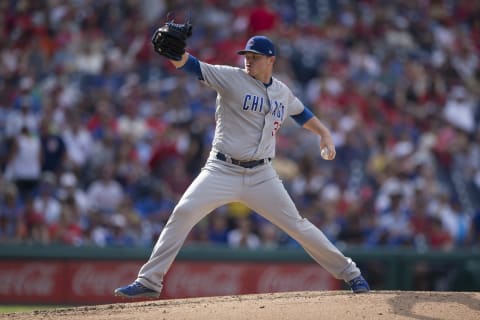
[32,282]
[215,279]
[93,282]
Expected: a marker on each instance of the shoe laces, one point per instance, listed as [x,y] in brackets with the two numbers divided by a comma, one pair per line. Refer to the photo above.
[137,285]
[357,281]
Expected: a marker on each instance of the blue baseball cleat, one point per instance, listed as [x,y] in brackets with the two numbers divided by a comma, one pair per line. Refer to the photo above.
[136,290]
[359,285]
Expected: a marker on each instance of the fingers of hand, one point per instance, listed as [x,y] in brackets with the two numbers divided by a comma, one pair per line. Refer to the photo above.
[327,153]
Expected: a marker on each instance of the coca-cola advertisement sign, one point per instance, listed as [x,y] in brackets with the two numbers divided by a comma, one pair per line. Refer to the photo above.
[35,279]
[64,282]
[188,279]
[201,279]
[293,278]
[96,279]
[93,281]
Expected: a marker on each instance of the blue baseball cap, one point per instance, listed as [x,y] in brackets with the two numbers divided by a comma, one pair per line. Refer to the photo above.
[260,45]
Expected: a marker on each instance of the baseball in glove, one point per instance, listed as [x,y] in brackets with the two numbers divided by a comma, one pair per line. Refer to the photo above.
[170,39]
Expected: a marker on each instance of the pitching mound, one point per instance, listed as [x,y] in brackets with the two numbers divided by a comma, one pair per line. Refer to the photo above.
[290,305]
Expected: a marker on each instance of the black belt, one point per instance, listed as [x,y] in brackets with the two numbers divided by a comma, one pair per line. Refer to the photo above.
[245,164]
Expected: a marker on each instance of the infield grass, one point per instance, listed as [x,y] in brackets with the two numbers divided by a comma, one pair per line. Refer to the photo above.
[25,308]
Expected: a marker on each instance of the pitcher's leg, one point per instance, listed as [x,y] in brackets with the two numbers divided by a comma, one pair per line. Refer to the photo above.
[207,192]
[271,200]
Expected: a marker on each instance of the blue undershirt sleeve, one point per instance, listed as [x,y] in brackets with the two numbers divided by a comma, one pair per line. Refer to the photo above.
[303,116]
[192,66]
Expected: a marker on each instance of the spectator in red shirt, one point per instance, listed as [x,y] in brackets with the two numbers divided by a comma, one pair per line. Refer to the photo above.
[67,230]
[438,237]
[263,19]
[36,228]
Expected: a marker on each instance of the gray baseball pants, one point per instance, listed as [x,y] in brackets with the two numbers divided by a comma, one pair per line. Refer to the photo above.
[261,190]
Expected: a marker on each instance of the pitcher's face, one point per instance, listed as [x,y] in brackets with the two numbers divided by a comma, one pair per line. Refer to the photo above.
[259,66]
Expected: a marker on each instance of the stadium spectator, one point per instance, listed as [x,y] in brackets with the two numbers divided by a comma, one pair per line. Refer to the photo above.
[242,236]
[45,201]
[78,143]
[24,162]
[218,228]
[37,230]
[69,189]
[269,236]
[105,194]
[12,220]
[393,223]
[53,151]
[67,229]
[438,237]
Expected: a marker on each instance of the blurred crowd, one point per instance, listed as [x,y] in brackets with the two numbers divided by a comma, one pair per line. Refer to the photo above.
[100,136]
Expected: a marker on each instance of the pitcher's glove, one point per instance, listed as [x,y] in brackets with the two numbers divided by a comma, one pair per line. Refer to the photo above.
[170,39]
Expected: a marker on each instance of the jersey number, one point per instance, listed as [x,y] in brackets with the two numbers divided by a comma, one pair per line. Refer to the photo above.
[276,126]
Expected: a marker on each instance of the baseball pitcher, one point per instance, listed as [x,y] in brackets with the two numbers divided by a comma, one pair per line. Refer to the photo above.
[251,106]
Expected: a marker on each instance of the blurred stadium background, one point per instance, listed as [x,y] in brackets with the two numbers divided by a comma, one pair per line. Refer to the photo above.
[100,136]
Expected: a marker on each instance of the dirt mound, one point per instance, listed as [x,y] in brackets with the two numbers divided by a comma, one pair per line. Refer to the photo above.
[289,305]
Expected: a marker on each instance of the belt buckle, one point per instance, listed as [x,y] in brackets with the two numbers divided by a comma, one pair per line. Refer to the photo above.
[253,163]
[244,164]
[248,164]
[223,157]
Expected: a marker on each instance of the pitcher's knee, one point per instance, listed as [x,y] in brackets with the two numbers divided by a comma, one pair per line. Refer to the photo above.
[184,212]
[182,209]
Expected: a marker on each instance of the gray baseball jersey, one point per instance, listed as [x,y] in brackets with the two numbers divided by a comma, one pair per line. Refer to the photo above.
[248,115]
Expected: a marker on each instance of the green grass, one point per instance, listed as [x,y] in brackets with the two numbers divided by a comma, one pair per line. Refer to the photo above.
[25,308]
